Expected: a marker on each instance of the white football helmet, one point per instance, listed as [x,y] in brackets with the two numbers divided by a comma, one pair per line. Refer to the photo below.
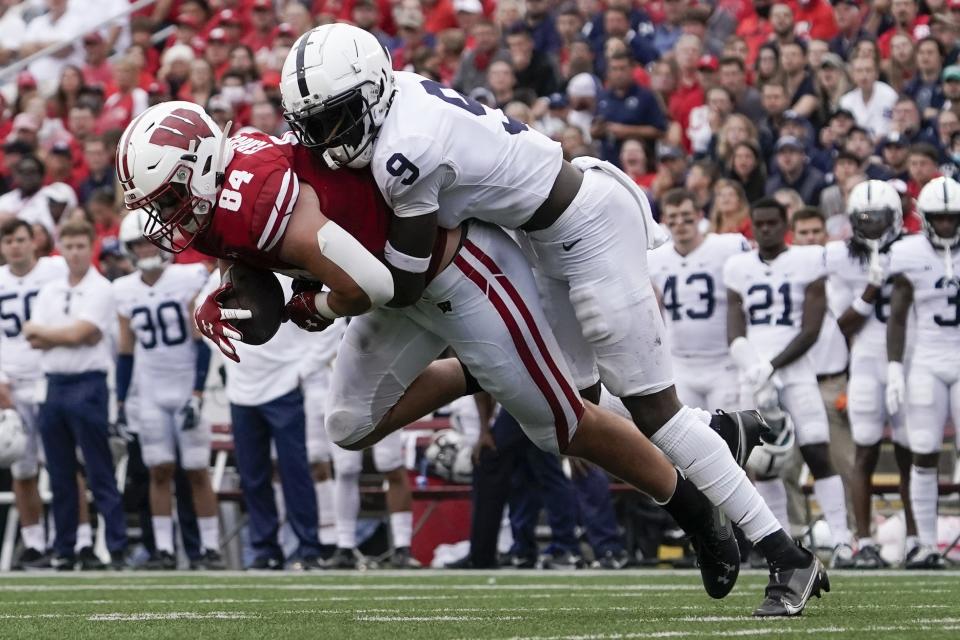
[13,437]
[132,231]
[170,162]
[770,459]
[450,456]
[337,85]
[940,197]
[876,212]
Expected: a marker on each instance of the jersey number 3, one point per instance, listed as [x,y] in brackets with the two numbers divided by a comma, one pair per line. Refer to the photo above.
[398,165]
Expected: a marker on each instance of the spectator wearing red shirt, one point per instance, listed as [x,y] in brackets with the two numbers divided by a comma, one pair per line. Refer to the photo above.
[263,21]
[756,29]
[231,22]
[689,93]
[366,15]
[217,52]
[141,32]
[438,15]
[97,71]
[633,161]
[124,104]
[385,20]
[106,220]
[907,21]
[814,19]
[62,168]
[922,167]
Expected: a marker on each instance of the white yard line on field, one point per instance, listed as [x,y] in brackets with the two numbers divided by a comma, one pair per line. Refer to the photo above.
[756,631]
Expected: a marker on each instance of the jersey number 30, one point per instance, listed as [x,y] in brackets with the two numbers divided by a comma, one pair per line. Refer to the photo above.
[398,165]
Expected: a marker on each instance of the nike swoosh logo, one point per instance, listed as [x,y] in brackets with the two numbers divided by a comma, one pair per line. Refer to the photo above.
[570,245]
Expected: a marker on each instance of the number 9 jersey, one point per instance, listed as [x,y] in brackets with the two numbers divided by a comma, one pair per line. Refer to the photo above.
[440,151]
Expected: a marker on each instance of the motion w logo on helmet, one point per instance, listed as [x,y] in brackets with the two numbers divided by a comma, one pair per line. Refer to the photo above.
[180,129]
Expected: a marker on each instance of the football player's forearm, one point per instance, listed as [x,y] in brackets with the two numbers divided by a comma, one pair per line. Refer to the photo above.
[900,300]
[796,348]
[407,287]
[736,324]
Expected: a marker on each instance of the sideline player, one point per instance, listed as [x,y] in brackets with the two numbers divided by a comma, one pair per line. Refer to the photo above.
[584,227]
[154,306]
[858,276]
[688,274]
[777,300]
[175,163]
[925,268]
[20,281]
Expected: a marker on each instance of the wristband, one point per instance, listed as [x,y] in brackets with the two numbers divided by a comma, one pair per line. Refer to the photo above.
[404,261]
[323,308]
[862,307]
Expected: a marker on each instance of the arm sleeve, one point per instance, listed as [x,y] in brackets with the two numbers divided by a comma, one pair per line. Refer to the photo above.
[124,375]
[202,365]
[411,176]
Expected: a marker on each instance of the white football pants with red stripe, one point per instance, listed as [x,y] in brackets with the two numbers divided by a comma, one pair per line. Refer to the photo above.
[485,305]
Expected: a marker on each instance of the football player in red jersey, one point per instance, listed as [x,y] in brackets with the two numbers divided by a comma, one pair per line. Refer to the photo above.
[259,200]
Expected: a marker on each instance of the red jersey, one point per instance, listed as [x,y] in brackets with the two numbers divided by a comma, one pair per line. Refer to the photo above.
[919,30]
[262,184]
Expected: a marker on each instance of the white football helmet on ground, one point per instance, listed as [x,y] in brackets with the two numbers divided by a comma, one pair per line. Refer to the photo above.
[876,212]
[170,162]
[337,85]
[13,437]
[449,456]
[132,232]
[770,459]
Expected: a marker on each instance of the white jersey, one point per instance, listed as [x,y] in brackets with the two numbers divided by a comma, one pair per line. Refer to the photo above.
[440,151]
[160,318]
[848,278]
[773,293]
[693,293]
[936,303]
[18,359]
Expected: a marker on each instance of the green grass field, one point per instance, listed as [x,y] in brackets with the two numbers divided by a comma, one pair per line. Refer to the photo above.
[469,606]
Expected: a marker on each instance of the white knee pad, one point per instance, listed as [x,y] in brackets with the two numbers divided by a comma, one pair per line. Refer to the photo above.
[388,453]
[926,412]
[805,405]
[345,426]
[865,407]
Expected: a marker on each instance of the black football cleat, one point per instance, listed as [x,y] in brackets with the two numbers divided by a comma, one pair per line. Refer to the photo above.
[161,561]
[924,558]
[868,557]
[87,560]
[789,589]
[344,558]
[307,563]
[718,555]
[741,430]
[401,559]
[266,563]
[31,560]
[211,560]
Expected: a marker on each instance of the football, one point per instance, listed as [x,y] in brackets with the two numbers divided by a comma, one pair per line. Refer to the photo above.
[259,291]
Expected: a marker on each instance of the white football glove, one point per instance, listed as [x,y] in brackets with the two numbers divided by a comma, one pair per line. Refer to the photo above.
[755,371]
[757,376]
[877,275]
[896,387]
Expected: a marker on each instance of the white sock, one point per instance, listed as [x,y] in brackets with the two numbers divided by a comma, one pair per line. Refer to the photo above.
[704,458]
[32,535]
[163,533]
[401,527]
[774,494]
[84,536]
[833,503]
[328,519]
[864,542]
[923,497]
[347,502]
[209,533]
[281,505]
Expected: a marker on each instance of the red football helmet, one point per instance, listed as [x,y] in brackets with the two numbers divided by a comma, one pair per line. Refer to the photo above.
[170,163]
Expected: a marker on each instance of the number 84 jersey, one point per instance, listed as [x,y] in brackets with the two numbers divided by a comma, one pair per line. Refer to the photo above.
[773,293]
[693,293]
[440,151]
[160,318]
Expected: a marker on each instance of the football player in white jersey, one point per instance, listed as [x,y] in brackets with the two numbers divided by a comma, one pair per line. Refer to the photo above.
[154,305]
[315,371]
[776,306]
[858,273]
[441,159]
[925,268]
[688,274]
[20,280]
